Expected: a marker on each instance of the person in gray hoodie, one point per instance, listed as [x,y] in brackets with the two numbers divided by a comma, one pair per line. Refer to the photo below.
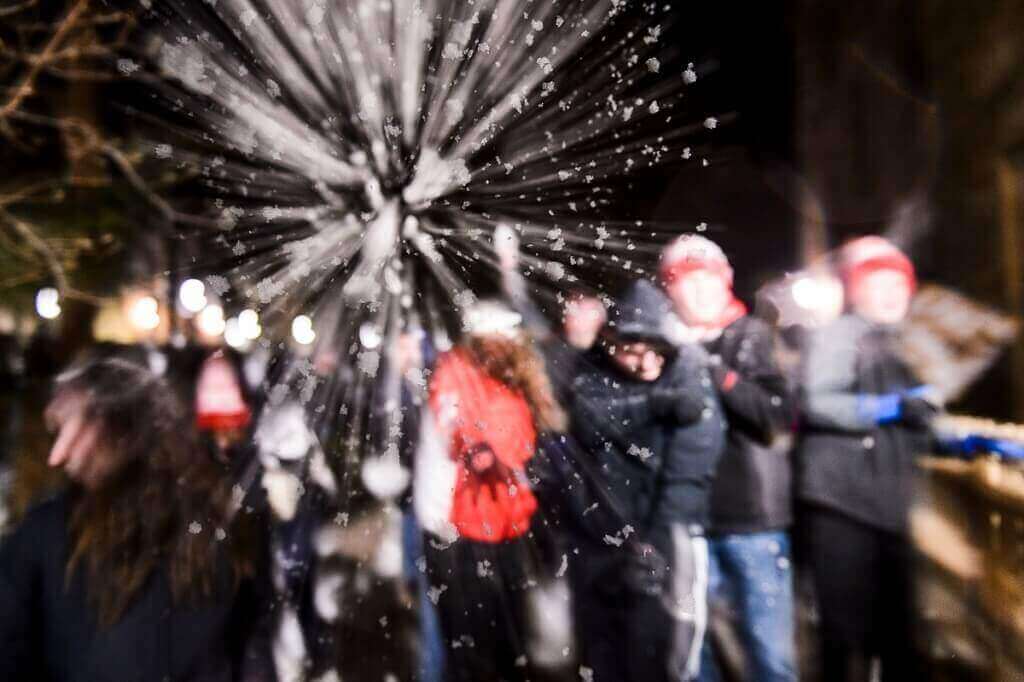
[866,417]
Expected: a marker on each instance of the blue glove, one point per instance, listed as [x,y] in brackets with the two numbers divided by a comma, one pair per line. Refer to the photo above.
[881,408]
[974,444]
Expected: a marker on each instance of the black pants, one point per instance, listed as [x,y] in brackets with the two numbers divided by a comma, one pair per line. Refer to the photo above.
[623,636]
[628,636]
[863,579]
[479,590]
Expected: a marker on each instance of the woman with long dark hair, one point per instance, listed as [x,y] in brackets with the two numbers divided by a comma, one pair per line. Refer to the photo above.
[134,571]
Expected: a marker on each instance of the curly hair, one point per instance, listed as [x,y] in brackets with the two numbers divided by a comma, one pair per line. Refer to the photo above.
[514,363]
[163,505]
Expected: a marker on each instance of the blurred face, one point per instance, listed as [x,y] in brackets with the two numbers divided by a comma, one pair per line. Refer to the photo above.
[700,297]
[882,296]
[78,449]
[638,360]
[584,317]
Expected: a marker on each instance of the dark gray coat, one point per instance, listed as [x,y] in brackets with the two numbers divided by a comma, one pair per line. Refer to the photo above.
[846,461]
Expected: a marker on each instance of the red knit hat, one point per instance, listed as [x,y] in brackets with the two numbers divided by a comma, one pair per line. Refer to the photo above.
[692,252]
[219,402]
[864,255]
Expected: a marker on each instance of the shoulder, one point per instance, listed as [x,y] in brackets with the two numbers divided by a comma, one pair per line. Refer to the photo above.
[46,515]
[845,331]
[750,325]
[689,356]
[38,530]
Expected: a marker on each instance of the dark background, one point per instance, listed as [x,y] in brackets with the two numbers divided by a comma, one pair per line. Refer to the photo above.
[833,117]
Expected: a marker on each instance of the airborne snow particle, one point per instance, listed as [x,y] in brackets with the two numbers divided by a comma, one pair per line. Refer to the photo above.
[127,66]
[653,65]
[434,593]
[452,51]
[218,284]
[556,271]
[711,123]
[369,361]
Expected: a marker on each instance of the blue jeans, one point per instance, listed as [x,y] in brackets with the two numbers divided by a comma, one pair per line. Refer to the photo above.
[431,664]
[752,575]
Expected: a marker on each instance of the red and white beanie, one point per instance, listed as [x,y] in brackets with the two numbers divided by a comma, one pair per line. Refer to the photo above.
[864,255]
[220,405]
[692,252]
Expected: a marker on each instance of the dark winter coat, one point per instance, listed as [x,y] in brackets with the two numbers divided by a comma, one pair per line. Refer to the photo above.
[658,469]
[846,461]
[48,631]
[752,487]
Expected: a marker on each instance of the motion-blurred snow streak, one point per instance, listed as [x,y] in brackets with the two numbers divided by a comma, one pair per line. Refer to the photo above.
[359,155]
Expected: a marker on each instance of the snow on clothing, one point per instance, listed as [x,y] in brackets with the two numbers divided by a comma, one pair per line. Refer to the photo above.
[48,631]
[848,461]
[492,436]
[752,487]
[655,445]
[659,464]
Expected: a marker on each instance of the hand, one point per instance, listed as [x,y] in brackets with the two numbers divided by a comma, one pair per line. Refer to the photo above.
[646,569]
[663,400]
[481,460]
[506,247]
[675,403]
[917,412]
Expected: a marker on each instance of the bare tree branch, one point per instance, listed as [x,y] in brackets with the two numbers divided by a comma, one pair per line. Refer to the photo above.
[14,9]
[27,85]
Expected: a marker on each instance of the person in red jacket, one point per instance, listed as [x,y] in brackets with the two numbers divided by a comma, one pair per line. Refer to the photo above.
[489,398]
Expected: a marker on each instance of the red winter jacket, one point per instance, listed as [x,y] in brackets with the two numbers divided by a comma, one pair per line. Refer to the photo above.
[491,437]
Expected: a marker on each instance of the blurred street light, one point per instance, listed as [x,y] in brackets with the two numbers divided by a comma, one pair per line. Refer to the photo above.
[48,303]
[211,320]
[302,330]
[249,324]
[192,295]
[145,313]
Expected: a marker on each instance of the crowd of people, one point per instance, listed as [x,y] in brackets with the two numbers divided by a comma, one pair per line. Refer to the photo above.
[598,494]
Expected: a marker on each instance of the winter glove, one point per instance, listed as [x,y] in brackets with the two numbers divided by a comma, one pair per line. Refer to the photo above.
[485,465]
[879,409]
[916,412]
[676,404]
[974,444]
[646,570]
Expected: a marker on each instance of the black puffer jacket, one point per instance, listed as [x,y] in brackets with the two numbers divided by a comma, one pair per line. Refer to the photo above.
[658,469]
[48,630]
[752,487]
[846,461]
